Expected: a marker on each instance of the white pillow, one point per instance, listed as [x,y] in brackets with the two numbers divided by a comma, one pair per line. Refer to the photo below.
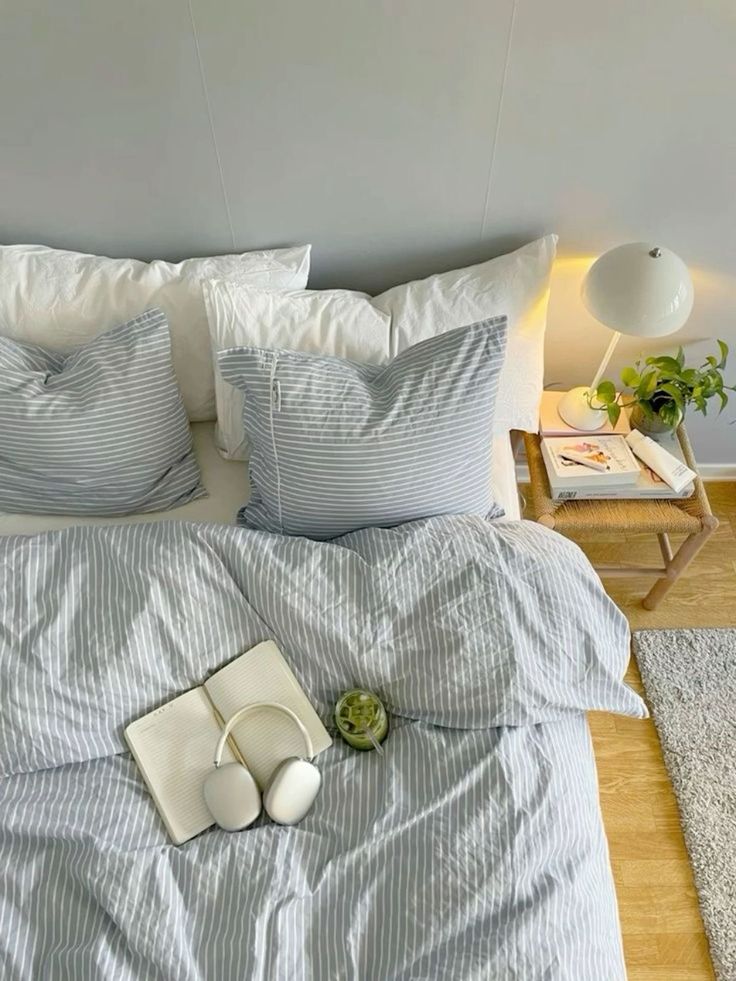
[374,330]
[60,300]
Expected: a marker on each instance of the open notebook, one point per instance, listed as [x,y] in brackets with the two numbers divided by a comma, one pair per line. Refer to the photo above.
[174,746]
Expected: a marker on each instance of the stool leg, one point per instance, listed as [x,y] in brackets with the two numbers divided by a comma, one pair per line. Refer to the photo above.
[665,547]
[683,557]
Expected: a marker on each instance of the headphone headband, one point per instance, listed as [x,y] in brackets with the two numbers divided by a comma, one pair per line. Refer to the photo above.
[254,706]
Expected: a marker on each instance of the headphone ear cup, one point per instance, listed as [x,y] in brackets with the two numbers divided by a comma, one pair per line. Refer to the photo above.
[232,796]
[292,790]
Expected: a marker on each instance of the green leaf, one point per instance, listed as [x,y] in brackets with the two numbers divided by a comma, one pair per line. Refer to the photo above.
[614,411]
[647,385]
[665,363]
[724,353]
[680,357]
[630,377]
[673,391]
[606,392]
[689,376]
[712,361]
[724,401]
[671,415]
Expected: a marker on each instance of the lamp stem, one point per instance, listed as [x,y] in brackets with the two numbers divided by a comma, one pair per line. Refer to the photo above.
[606,358]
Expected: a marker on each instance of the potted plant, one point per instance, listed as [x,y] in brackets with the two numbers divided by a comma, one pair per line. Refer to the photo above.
[661,389]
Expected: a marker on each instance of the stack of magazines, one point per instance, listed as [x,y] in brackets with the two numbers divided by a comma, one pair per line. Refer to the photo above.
[587,466]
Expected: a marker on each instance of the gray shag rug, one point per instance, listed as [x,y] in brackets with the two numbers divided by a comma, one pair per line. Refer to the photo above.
[690,682]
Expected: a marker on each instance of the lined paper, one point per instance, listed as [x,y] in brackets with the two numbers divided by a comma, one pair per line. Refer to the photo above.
[174,748]
[265,737]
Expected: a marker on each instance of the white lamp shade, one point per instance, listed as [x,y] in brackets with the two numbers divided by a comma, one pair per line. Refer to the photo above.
[639,289]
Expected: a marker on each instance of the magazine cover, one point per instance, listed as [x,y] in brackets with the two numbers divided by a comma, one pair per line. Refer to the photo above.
[586,459]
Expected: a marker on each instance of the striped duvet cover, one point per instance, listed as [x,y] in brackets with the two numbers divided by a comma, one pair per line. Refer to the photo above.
[472,849]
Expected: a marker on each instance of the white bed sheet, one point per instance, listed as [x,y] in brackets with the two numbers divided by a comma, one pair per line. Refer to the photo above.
[227,484]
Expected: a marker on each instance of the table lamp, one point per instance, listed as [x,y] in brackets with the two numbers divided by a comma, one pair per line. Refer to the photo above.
[636,289]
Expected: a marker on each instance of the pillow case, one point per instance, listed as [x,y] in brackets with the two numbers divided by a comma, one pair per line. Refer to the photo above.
[101,430]
[373,330]
[60,299]
[337,445]
[240,316]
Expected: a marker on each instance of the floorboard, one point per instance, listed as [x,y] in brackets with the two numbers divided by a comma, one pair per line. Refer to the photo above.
[660,918]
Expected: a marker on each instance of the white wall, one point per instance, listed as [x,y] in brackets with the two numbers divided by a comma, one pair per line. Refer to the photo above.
[618,124]
[399,136]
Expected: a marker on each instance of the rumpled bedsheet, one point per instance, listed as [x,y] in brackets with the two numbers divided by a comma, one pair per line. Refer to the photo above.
[472,849]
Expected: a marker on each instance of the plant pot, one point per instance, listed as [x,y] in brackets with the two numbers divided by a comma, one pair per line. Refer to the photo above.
[650,427]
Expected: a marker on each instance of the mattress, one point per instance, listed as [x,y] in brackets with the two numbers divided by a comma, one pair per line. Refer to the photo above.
[227,486]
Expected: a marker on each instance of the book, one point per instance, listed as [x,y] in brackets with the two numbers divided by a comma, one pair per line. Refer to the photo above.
[552,424]
[612,452]
[174,746]
[649,485]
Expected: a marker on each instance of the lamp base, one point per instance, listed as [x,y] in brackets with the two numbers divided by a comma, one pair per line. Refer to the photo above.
[573,409]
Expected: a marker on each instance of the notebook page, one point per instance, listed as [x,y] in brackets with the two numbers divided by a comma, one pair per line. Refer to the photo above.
[265,737]
[174,747]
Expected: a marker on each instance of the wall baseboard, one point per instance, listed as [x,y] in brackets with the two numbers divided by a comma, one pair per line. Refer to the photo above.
[708,471]
[717,471]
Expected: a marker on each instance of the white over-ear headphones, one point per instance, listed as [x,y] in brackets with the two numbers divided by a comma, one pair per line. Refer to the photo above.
[233,797]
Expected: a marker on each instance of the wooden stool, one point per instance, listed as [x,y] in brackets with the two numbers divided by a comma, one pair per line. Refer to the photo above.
[689,516]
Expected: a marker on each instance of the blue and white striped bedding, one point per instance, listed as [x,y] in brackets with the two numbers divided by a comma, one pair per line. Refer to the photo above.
[100,430]
[473,849]
[337,445]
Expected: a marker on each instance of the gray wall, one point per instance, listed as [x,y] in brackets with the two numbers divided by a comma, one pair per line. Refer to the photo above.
[399,137]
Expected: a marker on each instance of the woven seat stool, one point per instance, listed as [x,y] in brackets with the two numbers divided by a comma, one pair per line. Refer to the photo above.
[691,517]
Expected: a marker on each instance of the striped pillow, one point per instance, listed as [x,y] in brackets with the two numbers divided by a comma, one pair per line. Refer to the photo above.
[337,445]
[99,431]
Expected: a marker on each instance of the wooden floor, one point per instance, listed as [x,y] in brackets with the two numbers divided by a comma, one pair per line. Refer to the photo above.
[662,928]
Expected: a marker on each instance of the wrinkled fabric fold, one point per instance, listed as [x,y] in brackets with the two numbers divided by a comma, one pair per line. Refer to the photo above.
[457,622]
[472,849]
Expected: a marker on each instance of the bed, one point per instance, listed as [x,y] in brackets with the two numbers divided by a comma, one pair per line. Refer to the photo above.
[473,849]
